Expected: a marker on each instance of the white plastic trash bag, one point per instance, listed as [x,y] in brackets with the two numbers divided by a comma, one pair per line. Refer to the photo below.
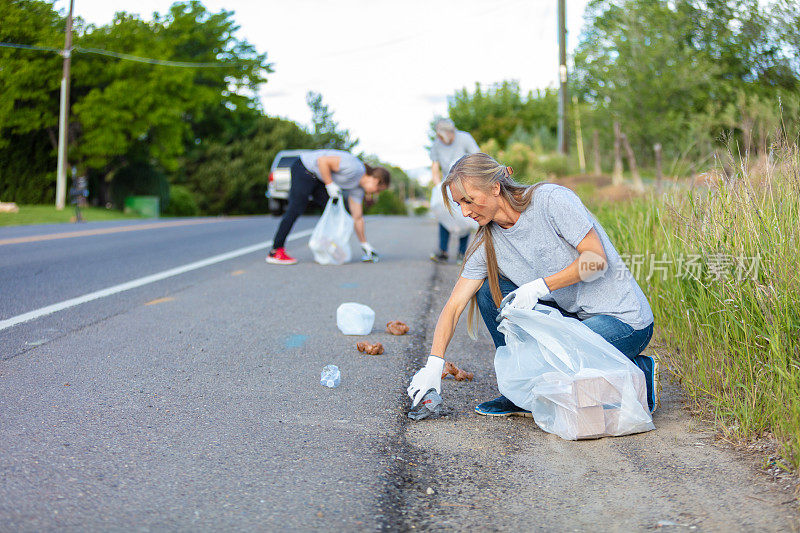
[330,240]
[355,319]
[455,223]
[576,384]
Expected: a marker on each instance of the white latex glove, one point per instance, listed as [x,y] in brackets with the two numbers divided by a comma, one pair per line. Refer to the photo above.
[526,296]
[333,189]
[427,378]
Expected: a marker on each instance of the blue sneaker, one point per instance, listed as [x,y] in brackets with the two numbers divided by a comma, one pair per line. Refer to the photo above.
[649,366]
[501,406]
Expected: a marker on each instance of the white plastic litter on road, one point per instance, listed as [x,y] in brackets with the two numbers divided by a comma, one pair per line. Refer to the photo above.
[66,304]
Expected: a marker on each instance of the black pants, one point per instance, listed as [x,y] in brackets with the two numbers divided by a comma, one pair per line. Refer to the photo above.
[304,185]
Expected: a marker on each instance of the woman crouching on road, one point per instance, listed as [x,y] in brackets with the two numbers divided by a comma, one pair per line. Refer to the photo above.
[324,174]
[542,245]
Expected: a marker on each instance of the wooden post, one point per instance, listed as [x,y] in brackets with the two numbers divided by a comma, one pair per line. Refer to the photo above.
[637,179]
[598,170]
[63,117]
[616,176]
[659,175]
[563,145]
[579,135]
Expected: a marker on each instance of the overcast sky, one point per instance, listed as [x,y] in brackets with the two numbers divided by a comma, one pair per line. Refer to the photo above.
[385,67]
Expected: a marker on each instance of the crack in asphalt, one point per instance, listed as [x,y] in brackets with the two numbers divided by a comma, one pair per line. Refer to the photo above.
[399,479]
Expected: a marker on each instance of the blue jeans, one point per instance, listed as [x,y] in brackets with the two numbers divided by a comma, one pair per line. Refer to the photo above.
[623,337]
[444,240]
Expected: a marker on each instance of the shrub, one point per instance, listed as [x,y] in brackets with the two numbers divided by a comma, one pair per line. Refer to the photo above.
[552,165]
[388,203]
[181,202]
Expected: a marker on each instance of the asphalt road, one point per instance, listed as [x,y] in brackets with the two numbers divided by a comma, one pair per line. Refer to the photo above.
[194,403]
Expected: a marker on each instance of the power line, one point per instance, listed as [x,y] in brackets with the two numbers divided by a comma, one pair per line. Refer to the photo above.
[30,47]
[149,60]
[119,55]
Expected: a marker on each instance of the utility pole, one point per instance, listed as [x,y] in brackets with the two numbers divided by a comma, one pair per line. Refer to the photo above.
[63,120]
[563,146]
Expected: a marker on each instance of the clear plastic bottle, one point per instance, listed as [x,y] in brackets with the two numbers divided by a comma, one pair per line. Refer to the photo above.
[330,376]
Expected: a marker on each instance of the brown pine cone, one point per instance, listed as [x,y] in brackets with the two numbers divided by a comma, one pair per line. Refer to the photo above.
[395,327]
[370,349]
[458,374]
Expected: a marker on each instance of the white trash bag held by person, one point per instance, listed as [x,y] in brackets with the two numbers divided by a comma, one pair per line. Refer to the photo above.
[576,384]
[455,223]
[355,319]
[330,240]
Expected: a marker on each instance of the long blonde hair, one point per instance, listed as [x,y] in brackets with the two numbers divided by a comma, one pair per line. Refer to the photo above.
[483,172]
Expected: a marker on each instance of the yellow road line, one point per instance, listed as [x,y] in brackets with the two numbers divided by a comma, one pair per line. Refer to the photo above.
[160,300]
[237,272]
[106,231]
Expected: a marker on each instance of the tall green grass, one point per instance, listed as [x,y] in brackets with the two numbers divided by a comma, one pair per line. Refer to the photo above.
[729,332]
[48,214]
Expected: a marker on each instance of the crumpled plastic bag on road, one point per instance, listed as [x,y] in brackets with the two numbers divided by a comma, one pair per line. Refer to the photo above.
[355,319]
[330,240]
[576,384]
[455,223]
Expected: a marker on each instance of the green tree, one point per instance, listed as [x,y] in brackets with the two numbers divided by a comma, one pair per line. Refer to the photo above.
[501,111]
[674,72]
[131,122]
[636,65]
[131,112]
[326,130]
[29,89]
[231,177]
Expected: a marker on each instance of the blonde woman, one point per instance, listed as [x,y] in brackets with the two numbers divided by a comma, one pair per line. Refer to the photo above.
[535,244]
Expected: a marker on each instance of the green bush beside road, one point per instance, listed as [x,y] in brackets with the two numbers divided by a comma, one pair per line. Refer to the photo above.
[181,202]
[387,203]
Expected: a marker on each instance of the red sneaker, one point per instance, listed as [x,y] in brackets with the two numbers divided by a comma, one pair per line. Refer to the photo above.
[280,257]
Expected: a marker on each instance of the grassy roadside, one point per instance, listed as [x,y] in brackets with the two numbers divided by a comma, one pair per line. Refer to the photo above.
[720,267]
[47,214]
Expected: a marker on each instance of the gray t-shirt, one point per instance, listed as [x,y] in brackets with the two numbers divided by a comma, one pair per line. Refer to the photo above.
[543,242]
[447,154]
[350,170]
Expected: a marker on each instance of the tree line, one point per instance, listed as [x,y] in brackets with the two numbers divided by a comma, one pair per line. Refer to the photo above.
[198,134]
[697,77]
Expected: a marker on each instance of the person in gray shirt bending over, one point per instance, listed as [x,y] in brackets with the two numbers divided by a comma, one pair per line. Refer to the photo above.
[450,145]
[536,244]
[324,174]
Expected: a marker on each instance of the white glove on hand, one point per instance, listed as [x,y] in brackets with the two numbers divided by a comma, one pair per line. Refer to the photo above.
[526,296]
[333,189]
[427,378]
